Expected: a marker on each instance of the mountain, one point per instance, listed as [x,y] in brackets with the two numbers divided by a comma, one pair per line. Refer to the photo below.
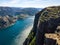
[46,28]
[6,11]
[17,11]
[9,15]
[6,21]
[30,11]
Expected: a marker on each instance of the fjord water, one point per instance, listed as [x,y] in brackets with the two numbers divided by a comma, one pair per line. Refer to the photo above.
[16,34]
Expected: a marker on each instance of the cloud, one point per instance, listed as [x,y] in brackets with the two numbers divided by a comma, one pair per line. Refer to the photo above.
[29,3]
[9,3]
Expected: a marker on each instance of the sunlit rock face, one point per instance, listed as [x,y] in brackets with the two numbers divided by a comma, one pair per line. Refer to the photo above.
[6,21]
[47,21]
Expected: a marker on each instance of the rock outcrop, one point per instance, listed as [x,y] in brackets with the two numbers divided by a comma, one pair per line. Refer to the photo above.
[46,25]
[6,21]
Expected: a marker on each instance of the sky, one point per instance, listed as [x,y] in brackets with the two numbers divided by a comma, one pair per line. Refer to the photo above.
[29,3]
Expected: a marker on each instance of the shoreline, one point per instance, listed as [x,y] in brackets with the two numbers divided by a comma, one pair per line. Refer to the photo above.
[22,36]
[8,26]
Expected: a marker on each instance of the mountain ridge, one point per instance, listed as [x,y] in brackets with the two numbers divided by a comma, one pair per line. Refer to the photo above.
[15,10]
[46,21]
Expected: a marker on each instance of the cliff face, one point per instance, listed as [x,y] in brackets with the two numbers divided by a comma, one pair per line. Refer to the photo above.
[46,28]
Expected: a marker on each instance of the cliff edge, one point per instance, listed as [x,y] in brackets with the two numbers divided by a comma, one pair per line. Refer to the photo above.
[46,28]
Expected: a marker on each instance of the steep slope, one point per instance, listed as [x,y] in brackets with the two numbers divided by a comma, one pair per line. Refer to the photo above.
[6,21]
[46,25]
[6,11]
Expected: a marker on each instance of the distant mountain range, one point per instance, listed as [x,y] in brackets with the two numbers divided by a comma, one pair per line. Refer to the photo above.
[18,11]
[9,15]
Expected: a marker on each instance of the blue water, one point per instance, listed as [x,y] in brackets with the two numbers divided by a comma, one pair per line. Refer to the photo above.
[8,35]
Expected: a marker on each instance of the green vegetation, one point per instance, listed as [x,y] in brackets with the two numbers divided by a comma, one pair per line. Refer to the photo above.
[49,13]
[31,35]
[33,41]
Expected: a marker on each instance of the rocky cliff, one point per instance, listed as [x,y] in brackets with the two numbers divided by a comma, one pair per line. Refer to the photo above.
[46,28]
[7,20]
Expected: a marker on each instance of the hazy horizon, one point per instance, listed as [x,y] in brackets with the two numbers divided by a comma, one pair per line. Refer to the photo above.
[29,3]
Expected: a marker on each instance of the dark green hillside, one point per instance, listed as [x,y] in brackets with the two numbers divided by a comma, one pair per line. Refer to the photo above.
[15,11]
[31,11]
